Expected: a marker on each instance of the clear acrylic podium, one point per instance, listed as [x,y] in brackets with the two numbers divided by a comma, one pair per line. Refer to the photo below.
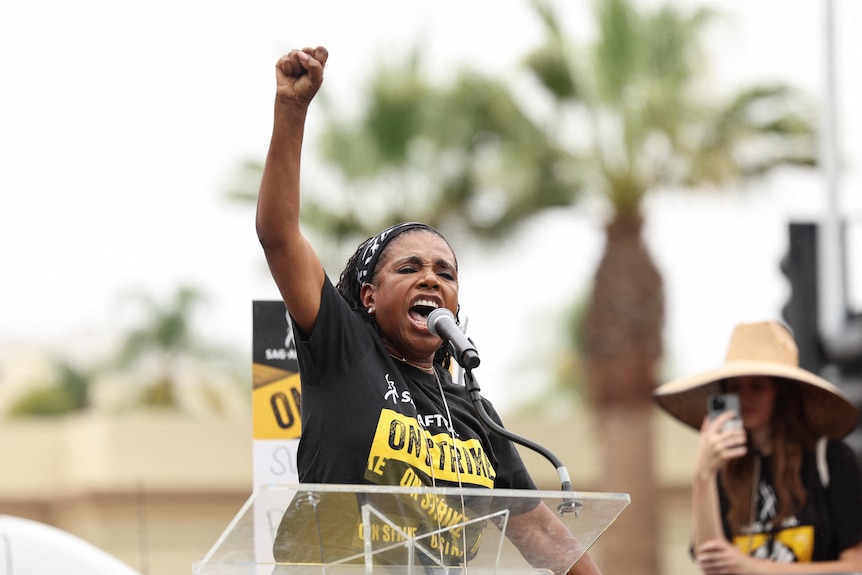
[311,529]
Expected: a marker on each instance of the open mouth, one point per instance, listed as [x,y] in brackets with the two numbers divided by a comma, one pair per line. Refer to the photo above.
[420,310]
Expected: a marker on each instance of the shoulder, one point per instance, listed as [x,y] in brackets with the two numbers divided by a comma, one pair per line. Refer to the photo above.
[838,451]
[334,310]
[339,340]
[837,464]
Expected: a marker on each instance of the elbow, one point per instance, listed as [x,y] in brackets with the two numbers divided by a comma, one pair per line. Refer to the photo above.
[276,241]
[267,234]
[275,232]
[268,243]
[260,230]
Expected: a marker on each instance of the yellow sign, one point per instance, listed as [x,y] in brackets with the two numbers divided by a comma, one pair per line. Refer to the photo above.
[275,406]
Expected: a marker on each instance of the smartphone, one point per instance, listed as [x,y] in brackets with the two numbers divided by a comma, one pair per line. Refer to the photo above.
[719,403]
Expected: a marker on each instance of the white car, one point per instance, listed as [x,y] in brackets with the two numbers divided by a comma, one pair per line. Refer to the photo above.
[31,548]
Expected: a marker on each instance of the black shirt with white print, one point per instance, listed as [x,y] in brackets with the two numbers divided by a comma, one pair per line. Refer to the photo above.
[830,522]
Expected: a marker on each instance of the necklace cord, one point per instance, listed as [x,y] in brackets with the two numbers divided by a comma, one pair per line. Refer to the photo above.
[754,490]
[451,430]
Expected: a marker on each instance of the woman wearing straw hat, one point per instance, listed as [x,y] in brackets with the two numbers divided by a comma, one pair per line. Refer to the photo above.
[782,492]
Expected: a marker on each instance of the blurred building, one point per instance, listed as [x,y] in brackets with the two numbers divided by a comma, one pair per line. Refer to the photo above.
[156,489]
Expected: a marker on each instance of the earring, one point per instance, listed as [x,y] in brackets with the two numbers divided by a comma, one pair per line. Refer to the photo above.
[370,310]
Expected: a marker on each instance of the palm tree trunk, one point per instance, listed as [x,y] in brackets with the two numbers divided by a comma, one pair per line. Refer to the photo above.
[622,348]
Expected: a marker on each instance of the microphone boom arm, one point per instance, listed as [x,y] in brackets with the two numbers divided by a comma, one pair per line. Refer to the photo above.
[473,389]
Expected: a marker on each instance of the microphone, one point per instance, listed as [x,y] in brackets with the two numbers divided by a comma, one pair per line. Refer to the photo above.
[441,323]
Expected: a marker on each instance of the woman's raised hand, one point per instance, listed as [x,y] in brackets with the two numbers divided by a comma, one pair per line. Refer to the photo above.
[299,74]
[719,444]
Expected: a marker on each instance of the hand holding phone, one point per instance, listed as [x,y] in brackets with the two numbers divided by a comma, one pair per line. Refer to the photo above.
[719,403]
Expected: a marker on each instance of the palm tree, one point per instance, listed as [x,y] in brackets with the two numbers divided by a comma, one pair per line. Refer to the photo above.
[164,336]
[645,127]
[66,390]
[629,120]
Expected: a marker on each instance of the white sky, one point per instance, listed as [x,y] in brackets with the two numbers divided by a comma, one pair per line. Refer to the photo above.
[121,123]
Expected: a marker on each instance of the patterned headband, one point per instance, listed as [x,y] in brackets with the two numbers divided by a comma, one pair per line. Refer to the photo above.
[374,246]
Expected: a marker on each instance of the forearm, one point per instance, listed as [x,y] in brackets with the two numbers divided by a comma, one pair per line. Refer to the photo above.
[279,196]
[706,511]
[294,265]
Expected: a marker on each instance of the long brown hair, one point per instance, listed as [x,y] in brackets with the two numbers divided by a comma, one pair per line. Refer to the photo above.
[791,437]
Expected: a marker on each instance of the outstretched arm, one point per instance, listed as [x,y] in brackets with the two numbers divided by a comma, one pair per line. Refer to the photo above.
[295,267]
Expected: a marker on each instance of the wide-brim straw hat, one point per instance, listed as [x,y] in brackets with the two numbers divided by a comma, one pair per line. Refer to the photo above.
[761,349]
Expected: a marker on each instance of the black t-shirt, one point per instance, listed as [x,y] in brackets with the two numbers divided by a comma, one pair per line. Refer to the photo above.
[830,522]
[368,418]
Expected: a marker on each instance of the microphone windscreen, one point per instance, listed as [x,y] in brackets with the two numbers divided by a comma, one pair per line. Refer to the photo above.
[435,317]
